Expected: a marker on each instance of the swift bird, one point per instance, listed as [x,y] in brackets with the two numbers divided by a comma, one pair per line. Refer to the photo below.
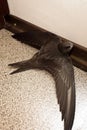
[53,57]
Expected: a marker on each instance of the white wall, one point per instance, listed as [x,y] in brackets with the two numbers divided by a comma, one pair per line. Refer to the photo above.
[67,18]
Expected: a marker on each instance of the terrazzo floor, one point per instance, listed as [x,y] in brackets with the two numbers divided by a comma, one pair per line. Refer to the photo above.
[28,100]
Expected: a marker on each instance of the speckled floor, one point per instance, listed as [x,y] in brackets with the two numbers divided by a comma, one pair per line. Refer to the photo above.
[28,100]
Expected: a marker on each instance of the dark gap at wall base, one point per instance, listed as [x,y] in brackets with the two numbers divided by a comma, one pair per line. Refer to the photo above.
[1,21]
[15,25]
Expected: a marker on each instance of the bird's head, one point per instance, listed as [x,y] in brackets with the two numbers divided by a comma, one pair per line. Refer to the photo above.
[65,47]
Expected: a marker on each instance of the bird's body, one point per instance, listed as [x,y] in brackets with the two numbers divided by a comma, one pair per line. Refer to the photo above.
[54,58]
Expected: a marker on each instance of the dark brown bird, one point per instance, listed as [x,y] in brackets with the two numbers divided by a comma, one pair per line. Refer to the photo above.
[54,58]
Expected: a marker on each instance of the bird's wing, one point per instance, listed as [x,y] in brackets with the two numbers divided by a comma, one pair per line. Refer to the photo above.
[28,38]
[35,38]
[65,90]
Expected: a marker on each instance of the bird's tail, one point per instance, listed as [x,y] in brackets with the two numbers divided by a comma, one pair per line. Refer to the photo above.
[23,66]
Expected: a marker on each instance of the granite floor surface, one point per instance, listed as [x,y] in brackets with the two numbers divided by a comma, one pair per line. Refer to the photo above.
[28,100]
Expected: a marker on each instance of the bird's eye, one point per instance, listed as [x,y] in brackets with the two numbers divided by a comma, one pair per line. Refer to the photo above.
[67,47]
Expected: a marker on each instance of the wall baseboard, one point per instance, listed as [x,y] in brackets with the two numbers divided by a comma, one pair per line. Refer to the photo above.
[15,25]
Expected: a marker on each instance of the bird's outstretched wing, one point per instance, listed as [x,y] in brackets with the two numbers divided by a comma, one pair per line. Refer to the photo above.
[35,37]
[63,75]
[65,91]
